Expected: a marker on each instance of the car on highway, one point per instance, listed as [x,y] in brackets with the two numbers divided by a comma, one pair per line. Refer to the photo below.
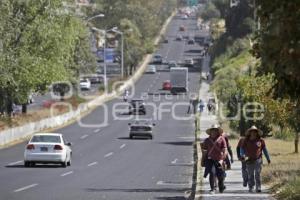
[157,59]
[137,106]
[166,85]
[172,64]
[191,41]
[95,78]
[151,69]
[179,38]
[85,84]
[181,28]
[47,148]
[141,128]
[189,62]
[184,16]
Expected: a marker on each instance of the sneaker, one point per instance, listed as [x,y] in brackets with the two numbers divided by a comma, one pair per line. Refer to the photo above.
[258,190]
[212,191]
[250,189]
[221,190]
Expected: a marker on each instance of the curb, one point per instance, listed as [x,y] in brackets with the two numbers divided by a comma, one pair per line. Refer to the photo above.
[18,134]
[198,161]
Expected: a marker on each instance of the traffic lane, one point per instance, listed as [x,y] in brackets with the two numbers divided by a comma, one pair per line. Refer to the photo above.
[141,171]
[102,139]
[15,153]
[93,147]
[77,134]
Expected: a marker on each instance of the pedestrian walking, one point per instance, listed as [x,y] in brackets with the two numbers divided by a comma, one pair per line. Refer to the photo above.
[125,96]
[244,168]
[214,152]
[210,107]
[201,105]
[192,106]
[251,151]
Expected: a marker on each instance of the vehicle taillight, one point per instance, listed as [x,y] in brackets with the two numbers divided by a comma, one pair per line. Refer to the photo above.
[30,147]
[58,147]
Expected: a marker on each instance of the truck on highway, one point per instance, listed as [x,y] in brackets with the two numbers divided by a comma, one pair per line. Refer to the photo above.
[179,80]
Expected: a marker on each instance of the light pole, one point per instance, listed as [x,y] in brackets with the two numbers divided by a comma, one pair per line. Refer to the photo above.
[99,30]
[104,57]
[115,29]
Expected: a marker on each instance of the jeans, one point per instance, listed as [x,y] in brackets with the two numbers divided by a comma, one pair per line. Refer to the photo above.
[254,168]
[215,171]
[244,173]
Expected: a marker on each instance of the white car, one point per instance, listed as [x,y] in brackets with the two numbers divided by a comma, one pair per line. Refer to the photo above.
[47,148]
[157,59]
[151,69]
[85,84]
[141,128]
[189,62]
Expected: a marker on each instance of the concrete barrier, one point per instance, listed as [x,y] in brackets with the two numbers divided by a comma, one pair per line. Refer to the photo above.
[20,133]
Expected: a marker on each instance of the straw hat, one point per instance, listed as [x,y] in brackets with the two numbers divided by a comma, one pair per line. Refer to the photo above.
[214,126]
[254,128]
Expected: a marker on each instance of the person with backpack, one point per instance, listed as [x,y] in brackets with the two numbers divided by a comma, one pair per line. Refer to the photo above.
[251,152]
[244,168]
[214,152]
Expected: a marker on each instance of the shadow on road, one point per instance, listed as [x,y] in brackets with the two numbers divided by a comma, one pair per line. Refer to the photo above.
[179,143]
[36,166]
[135,138]
[141,190]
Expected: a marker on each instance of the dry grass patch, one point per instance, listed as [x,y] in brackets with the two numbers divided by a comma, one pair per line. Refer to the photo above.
[284,171]
[36,115]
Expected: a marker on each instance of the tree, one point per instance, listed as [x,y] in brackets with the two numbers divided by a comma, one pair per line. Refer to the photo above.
[278,47]
[210,11]
[39,46]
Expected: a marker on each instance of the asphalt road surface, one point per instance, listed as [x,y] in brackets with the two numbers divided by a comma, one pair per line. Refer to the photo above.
[108,165]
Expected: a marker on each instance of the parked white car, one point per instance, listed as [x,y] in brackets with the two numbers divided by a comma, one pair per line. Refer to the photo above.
[85,84]
[47,148]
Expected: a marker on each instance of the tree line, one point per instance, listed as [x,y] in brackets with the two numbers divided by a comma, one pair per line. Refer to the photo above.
[256,59]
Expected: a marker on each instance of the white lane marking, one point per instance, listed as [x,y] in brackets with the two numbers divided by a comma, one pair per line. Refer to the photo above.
[172,184]
[122,146]
[109,154]
[174,161]
[96,130]
[67,173]
[84,136]
[92,164]
[26,187]
[14,163]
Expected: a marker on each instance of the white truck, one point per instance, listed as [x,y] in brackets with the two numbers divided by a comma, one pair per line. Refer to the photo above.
[179,80]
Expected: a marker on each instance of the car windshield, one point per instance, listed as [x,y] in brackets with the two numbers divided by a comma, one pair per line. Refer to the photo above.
[46,138]
[83,81]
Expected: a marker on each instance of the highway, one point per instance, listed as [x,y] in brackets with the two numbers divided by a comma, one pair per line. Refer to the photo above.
[108,165]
